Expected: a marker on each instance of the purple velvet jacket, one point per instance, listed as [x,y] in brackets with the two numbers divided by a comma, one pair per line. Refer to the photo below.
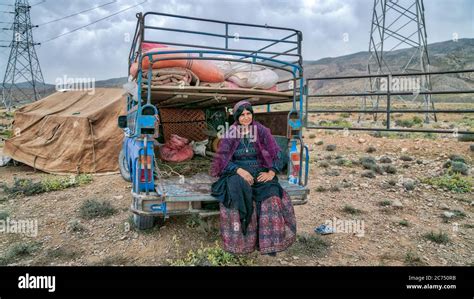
[267,148]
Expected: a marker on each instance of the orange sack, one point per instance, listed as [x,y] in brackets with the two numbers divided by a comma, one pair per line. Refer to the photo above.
[205,70]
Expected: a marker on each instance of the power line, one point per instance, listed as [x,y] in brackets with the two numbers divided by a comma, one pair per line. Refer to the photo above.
[75,14]
[38,3]
[79,28]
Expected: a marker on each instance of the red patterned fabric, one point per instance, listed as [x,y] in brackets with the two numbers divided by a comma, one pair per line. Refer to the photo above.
[273,231]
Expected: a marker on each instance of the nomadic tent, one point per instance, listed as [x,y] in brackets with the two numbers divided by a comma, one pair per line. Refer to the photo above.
[70,132]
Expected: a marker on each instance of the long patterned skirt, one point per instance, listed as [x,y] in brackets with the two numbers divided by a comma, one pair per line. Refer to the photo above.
[272,230]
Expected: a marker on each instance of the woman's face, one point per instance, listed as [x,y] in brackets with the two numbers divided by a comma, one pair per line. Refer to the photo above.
[245,118]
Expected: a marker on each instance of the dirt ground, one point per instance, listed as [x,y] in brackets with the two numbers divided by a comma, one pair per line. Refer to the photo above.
[395,220]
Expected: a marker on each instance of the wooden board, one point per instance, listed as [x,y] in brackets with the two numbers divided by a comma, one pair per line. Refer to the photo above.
[203,97]
[198,188]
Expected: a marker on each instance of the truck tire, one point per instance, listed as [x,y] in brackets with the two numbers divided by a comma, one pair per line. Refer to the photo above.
[143,222]
[123,166]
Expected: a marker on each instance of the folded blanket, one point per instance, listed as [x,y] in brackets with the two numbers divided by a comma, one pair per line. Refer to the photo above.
[225,84]
[174,76]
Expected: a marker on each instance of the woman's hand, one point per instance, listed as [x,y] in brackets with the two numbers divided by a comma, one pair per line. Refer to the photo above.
[266,176]
[245,175]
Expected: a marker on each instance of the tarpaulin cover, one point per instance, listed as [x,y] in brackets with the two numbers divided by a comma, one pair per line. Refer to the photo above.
[70,132]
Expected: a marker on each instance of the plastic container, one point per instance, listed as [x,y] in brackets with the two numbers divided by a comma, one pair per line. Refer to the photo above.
[294,165]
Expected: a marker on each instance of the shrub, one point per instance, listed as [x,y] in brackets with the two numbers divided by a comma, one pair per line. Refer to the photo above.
[404,123]
[409,185]
[331,147]
[385,203]
[351,210]
[28,187]
[385,160]
[4,215]
[332,172]
[212,256]
[455,183]
[19,250]
[440,238]
[320,189]
[392,182]
[92,208]
[309,245]
[404,222]
[457,158]
[324,164]
[389,169]
[369,163]
[417,120]
[406,158]
[459,167]
[371,149]
[411,259]
[368,174]
[345,115]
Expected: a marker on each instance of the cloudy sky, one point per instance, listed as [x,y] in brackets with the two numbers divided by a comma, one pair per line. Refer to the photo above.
[330,28]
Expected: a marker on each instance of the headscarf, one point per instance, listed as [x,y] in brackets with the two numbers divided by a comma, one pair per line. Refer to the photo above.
[240,107]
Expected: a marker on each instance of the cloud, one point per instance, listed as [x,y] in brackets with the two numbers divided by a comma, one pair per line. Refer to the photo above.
[330,28]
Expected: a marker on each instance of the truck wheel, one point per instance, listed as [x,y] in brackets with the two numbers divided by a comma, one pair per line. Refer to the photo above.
[143,222]
[123,166]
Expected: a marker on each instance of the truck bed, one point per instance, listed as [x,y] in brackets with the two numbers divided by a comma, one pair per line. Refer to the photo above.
[198,188]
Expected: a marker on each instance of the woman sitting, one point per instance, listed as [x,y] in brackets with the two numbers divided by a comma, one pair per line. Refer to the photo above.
[255,212]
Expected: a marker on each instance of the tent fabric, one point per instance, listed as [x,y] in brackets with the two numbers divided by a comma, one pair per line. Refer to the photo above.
[70,132]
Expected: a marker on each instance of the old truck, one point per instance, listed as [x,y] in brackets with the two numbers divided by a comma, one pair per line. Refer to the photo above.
[157,198]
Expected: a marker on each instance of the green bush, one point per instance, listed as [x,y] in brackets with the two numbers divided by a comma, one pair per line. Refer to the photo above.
[417,120]
[4,215]
[406,158]
[211,256]
[385,203]
[28,187]
[389,169]
[412,259]
[309,245]
[19,250]
[458,158]
[465,137]
[455,183]
[321,189]
[93,208]
[351,210]
[459,167]
[324,164]
[371,149]
[345,115]
[440,238]
[404,222]
[367,160]
[343,123]
[368,174]
[404,123]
